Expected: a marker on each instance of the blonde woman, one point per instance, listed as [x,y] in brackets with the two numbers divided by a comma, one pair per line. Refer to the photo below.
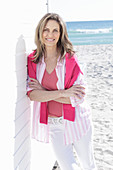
[61,116]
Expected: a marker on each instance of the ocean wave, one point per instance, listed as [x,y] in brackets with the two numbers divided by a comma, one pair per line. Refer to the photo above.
[92,31]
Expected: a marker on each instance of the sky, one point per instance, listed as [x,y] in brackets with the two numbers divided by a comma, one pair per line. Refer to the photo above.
[83,10]
[70,10]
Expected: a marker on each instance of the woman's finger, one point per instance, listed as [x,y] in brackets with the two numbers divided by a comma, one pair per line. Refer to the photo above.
[78,86]
[33,83]
[34,80]
[80,91]
[78,96]
[34,87]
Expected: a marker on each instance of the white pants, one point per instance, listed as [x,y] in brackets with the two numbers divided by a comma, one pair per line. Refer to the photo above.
[64,153]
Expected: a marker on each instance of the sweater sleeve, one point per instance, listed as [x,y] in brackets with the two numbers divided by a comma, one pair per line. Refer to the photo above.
[79,81]
[28,88]
[31,71]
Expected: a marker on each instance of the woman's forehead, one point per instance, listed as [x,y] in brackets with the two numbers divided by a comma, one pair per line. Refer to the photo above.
[52,23]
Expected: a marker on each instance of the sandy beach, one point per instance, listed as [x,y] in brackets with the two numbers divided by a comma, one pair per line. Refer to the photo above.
[99,64]
[99,76]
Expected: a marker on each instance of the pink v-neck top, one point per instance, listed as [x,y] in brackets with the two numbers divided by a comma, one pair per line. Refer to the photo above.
[49,82]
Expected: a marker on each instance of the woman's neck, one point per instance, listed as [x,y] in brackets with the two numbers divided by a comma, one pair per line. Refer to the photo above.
[51,52]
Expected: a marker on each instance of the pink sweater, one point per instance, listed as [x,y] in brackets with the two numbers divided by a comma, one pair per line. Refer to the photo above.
[72,72]
[49,82]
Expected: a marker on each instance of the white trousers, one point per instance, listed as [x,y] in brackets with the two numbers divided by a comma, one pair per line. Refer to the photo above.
[57,150]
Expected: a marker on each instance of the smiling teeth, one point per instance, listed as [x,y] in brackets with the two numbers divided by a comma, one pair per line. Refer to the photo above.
[50,39]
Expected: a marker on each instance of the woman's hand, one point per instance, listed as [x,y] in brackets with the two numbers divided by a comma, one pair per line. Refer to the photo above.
[76,91]
[35,85]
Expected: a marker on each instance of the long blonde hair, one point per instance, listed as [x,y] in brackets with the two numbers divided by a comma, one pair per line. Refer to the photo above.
[64,45]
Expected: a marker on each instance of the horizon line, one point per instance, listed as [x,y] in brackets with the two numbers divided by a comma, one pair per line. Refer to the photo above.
[89,20]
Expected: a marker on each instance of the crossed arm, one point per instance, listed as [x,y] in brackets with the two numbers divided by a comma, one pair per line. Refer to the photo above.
[41,94]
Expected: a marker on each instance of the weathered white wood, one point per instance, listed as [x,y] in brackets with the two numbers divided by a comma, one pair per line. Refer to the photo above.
[21,91]
[23,120]
[21,106]
[22,110]
[20,66]
[24,165]
[21,75]
[21,156]
[22,87]
[21,58]
[21,137]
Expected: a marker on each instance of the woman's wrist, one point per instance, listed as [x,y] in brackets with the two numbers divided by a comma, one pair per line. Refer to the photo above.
[62,93]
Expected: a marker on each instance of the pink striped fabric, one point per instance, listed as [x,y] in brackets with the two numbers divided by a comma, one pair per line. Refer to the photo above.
[73,130]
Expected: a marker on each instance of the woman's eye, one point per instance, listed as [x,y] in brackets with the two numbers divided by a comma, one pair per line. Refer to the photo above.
[45,30]
[55,31]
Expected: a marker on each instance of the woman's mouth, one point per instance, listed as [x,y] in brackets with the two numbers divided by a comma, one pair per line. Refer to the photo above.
[50,39]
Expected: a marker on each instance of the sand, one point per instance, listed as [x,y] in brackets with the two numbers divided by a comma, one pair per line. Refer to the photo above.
[99,64]
[99,76]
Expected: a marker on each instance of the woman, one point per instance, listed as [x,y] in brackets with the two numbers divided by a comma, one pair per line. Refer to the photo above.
[57,88]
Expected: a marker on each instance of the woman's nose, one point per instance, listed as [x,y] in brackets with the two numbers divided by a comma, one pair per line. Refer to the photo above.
[50,34]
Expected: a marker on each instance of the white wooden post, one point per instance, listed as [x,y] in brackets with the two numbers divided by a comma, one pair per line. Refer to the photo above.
[47,3]
[22,111]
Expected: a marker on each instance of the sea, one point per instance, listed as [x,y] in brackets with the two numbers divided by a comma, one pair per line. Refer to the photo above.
[90,32]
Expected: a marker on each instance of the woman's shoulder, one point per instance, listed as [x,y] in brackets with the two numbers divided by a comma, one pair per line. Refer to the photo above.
[73,61]
[71,57]
[31,55]
[30,63]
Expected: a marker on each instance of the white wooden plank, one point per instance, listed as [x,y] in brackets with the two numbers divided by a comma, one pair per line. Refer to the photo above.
[21,138]
[28,166]
[22,110]
[24,162]
[21,64]
[22,120]
[21,106]
[21,153]
[19,84]
[22,129]
[21,88]
[24,165]
[20,56]
[21,94]
[21,75]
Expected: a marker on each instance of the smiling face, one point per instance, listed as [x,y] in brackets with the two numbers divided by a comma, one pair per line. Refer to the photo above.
[51,33]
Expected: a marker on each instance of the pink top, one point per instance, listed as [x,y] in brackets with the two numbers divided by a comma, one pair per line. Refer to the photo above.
[49,82]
